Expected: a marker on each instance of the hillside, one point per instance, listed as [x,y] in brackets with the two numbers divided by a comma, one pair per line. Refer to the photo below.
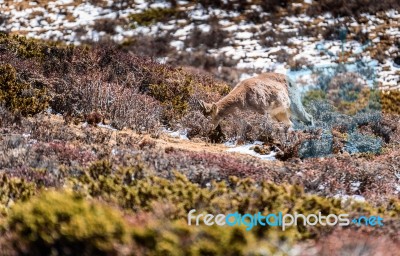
[105,149]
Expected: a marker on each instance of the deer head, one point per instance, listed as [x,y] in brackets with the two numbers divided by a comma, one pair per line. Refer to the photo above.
[208,109]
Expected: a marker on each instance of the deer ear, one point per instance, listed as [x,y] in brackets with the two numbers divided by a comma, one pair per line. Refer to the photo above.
[214,108]
[201,104]
[204,107]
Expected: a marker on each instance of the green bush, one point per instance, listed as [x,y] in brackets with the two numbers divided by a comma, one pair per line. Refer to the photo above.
[27,48]
[20,97]
[390,101]
[13,190]
[136,190]
[177,238]
[57,223]
[174,88]
[23,47]
[153,15]
[313,95]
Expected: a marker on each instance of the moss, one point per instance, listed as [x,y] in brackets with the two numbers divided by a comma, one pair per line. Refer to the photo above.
[65,224]
[20,97]
[313,95]
[153,15]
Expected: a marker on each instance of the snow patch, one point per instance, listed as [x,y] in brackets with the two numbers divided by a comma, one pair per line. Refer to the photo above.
[180,134]
[246,149]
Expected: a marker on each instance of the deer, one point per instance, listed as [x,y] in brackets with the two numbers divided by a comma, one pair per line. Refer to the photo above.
[268,94]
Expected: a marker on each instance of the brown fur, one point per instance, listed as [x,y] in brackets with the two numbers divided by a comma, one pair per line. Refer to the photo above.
[267,93]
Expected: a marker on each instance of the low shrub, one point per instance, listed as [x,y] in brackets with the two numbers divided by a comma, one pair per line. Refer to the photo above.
[138,190]
[390,101]
[13,190]
[342,8]
[79,81]
[214,38]
[151,46]
[177,238]
[65,224]
[50,54]
[153,15]
[19,96]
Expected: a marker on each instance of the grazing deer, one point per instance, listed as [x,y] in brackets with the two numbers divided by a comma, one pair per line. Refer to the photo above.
[267,93]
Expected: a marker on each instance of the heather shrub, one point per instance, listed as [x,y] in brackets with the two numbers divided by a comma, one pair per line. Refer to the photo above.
[328,118]
[196,125]
[42,178]
[349,93]
[20,97]
[7,118]
[65,224]
[301,144]
[122,86]
[138,112]
[103,79]
[351,242]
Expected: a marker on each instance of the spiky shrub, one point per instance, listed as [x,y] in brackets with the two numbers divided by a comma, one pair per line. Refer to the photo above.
[20,97]
[65,224]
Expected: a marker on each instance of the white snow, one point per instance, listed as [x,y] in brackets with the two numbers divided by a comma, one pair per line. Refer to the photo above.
[246,149]
[180,134]
[106,126]
[355,186]
[59,19]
